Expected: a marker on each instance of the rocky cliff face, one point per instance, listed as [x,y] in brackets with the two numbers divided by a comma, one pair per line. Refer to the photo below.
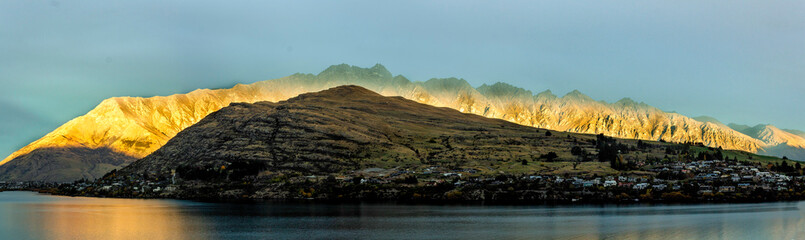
[576,112]
[135,127]
[777,142]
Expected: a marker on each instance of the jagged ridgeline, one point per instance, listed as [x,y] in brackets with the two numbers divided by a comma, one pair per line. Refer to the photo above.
[340,129]
[129,128]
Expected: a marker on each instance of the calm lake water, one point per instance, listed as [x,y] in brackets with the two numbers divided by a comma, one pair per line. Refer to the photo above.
[27,215]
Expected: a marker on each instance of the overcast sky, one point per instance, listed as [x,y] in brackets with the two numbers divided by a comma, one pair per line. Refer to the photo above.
[739,61]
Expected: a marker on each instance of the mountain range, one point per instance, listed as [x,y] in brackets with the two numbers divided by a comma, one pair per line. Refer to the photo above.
[345,128]
[123,129]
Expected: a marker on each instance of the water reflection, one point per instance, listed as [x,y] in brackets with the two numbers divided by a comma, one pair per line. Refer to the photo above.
[32,216]
[94,218]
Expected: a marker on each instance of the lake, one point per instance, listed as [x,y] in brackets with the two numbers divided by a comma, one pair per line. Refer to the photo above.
[28,215]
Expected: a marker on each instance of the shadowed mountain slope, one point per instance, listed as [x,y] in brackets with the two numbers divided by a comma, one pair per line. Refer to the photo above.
[64,164]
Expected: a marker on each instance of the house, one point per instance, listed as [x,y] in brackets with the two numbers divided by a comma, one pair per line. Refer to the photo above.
[610,183]
[726,189]
[640,186]
[705,189]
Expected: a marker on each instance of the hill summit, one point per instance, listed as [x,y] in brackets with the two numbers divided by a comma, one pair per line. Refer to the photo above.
[345,128]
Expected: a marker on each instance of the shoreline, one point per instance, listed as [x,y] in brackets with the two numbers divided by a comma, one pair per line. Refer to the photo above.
[437,202]
[712,181]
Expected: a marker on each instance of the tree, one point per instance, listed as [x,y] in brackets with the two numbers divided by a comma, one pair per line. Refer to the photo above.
[357,179]
[550,156]
[577,151]
[525,162]
[618,163]
[548,133]
[607,153]
[641,144]
[719,155]
[411,180]
[785,158]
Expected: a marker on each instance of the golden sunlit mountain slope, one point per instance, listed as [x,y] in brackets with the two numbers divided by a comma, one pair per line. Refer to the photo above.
[576,112]
[134,127]
[795,132]
[778,142]
[772,136]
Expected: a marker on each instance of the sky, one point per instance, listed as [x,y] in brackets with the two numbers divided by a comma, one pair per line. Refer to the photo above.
[738,61]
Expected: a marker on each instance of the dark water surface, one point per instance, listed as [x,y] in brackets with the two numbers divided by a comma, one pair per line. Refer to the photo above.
[27,215]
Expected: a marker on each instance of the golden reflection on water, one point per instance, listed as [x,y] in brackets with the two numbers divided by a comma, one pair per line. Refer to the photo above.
[789,228]
[31,216]
[97,218]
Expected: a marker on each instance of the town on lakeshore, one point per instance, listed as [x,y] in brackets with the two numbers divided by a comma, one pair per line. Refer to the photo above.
[692,181]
